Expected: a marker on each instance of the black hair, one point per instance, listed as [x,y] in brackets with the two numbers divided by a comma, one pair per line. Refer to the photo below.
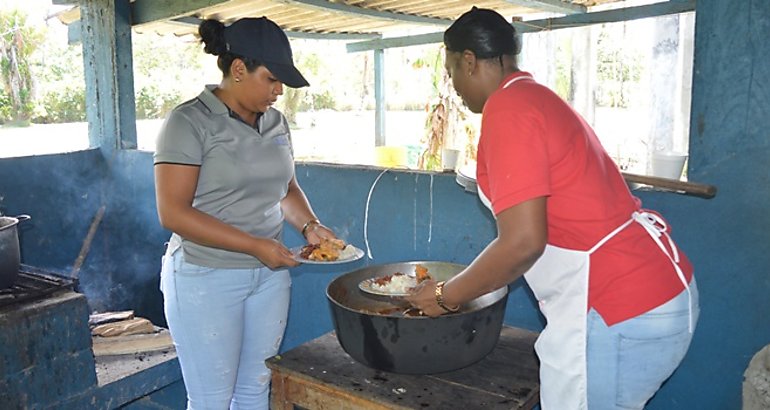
[212,34]
[484,32]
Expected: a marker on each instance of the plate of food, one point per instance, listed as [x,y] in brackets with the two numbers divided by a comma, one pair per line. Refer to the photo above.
[396,284]
[328,251]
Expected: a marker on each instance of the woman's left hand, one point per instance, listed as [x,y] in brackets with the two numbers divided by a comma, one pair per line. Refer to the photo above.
[424,298]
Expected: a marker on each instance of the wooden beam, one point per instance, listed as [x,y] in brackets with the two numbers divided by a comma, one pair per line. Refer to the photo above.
[394,42]
[571,21]
[194,21]
[148,11]
[331,36]
[361,11]
[608,16]
[552,6]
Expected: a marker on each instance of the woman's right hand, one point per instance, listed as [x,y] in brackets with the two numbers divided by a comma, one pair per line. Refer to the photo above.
[274,254]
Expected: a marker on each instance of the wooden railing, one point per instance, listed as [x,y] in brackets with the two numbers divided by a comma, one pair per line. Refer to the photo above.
[684,187]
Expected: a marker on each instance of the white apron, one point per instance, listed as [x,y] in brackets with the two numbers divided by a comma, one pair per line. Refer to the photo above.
[559,280]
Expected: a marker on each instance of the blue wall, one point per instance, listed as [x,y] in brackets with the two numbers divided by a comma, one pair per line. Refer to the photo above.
[419,216]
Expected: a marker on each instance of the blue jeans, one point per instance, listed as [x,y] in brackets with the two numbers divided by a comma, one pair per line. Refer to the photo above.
[628,361]
[225,323]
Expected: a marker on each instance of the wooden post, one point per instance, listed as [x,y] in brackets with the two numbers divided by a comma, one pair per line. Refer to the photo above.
[379,98]
[105,30]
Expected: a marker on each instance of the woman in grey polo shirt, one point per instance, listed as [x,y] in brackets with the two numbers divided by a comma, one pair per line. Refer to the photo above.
[224,182]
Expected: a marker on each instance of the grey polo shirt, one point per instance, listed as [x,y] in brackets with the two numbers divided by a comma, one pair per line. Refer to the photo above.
[244,171]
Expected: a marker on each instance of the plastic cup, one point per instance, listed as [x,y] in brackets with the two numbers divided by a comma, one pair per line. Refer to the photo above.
[449,158]
[668,164]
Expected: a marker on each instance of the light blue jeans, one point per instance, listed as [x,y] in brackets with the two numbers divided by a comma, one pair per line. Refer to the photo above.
[628,361]
[225,323]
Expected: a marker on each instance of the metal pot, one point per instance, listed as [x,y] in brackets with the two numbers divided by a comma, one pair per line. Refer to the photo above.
[10,257]
[377,333]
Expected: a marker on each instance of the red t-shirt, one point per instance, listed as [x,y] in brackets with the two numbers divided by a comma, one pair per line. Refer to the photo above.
[534,144]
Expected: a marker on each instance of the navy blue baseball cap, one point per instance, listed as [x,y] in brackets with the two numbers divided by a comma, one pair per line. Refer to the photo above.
[262,40]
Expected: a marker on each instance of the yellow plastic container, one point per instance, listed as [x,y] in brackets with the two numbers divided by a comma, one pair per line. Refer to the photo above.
[390,156]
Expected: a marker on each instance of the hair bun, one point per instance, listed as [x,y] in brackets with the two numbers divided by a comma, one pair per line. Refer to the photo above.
[212,34]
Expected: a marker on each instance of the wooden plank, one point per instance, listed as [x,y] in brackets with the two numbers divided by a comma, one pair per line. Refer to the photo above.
[195,22]
[132,344]
[571,21]
[554,6]
[507,378]
[132,326]
[395,42]
[607,16]
[354,11]
[312,395]
[148,11]
[96,319]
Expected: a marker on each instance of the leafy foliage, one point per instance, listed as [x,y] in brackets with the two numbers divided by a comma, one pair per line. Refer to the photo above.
[151,102]
[63,105]
[17,43]
[447,120]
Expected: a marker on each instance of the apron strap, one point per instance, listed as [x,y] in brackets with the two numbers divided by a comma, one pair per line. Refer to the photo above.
[610,235]
[656,227]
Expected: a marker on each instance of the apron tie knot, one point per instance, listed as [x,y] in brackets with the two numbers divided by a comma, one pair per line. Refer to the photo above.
[656,227]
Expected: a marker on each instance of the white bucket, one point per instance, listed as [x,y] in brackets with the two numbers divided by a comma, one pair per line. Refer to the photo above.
[666,164]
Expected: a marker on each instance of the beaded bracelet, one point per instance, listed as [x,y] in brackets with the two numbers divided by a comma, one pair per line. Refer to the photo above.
[308,224]
[440,299]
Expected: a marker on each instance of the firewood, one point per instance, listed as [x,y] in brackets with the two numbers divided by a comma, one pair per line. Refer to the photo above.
[96,319]
[133,344]
[133,326]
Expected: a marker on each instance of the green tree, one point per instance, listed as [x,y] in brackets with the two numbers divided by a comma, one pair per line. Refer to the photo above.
[57,68]
[17,43]
[167,71]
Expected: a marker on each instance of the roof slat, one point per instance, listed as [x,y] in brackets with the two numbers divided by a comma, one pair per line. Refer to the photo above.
[554,6]
[345,17]
[571,21]
[360,11]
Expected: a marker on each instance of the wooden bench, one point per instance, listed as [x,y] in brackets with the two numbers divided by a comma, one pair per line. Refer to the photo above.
[319,375]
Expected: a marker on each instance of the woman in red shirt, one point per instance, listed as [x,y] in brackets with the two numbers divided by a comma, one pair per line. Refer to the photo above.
[618,296]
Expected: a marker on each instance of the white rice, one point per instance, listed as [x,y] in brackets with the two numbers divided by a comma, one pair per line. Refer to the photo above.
[347,252]
[397,284]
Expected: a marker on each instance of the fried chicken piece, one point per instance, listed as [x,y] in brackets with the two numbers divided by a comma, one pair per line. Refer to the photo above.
[327,250]
[421,273]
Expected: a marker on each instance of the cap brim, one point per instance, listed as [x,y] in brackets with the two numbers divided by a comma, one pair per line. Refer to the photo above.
[287,74]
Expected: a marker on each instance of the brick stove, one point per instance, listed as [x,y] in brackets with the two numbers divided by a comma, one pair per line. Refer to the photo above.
[46,357]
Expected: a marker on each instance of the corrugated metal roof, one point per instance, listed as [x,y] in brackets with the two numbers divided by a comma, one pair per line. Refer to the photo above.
[325,17]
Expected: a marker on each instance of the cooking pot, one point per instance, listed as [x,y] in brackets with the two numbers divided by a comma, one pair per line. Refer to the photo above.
[376,332]
[10,257]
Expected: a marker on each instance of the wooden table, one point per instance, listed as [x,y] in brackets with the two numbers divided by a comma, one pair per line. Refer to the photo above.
[319,375]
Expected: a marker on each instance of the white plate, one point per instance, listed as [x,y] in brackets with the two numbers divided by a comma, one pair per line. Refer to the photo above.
[349,254]
[367,285]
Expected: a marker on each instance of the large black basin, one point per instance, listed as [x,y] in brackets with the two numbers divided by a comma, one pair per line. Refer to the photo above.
[375,332]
